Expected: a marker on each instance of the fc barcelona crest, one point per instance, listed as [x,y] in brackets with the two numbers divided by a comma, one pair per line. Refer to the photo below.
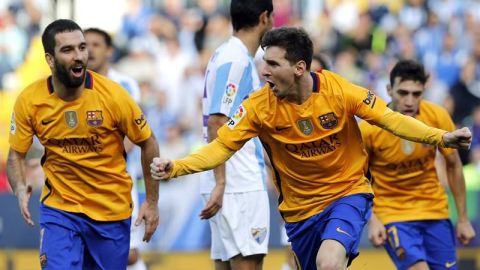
[94,118]
[305,126]
[71,119]
[328,121]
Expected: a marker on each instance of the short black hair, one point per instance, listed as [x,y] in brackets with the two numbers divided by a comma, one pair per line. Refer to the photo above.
[246,13]
[106,37]
[55,27]
[295,41]
[408,70]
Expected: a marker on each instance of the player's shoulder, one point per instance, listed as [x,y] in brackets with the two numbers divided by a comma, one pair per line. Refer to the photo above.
[41,88]
[431,107]
[101,83]
[232,51]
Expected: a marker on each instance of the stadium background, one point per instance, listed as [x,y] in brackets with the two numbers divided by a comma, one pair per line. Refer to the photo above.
[165,46]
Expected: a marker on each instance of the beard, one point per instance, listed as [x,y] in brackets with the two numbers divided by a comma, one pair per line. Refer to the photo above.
[63,75]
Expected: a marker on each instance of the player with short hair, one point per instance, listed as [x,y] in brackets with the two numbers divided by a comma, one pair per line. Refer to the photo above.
[411,208]
[81,119]
[235,192]
[306,123]
[100,51]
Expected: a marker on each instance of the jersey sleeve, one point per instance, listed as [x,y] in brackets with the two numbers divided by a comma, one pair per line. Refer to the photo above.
[233,82]
[132,122]
[241,127]
[21,127]
[365,129]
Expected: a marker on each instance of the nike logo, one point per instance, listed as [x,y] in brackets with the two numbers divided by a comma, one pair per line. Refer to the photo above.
[450,264]
[342,231]
[278,129]
[46,122]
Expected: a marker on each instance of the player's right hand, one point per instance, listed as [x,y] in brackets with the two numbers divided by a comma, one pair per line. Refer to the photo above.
[460,138]
[23,195]
[377,233]
[161,168]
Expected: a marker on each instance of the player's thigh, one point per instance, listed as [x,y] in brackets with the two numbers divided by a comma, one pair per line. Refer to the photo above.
[60,248]
[107,244]
[252,262]
[405,244]
[439,241]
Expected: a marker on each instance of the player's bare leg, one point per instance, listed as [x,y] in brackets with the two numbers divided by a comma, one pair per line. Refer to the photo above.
[135,262]
[331,256]
[221,265]
[253,262]
[419,266]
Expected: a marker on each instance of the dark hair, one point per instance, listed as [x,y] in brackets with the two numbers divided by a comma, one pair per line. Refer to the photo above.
[295,41]
[408,70]
[106,37]
[57,26]
[246,13]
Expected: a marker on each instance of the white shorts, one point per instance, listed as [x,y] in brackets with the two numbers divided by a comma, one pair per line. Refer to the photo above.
[241,226]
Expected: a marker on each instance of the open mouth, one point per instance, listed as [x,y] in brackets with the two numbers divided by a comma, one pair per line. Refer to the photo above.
[272,85]
[77,71]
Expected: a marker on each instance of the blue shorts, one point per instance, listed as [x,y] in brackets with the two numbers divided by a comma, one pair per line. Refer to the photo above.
[74,241]
[342,221]
[432,241]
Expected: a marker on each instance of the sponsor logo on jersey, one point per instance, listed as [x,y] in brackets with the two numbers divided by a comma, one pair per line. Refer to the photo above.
[78,145]
[315,148]
[259,234]
[235,119]
[370,99]
[328,121]
[71,119]
[230,93]
[13,125]
[94,118]
[410,166]
[305,126]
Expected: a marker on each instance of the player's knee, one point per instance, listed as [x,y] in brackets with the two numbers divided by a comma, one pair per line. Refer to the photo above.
[132,256]
[329,263]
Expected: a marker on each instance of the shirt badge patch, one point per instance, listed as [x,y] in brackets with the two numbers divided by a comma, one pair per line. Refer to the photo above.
[230,93]
[235,119]
[71,119]
[94,118]
[259,234]
[328,121]
[305,126]
[13,125]
[407,147]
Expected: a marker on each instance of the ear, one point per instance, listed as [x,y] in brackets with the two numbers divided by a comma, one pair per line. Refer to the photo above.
[110,52]
[50,60]
[300,68]
[389,90]
[264,18]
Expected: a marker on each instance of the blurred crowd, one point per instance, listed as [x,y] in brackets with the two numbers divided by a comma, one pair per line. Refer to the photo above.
[165,45]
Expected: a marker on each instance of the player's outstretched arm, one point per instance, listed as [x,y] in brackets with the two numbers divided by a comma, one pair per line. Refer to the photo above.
[18,182]
[460,138]
[206,158]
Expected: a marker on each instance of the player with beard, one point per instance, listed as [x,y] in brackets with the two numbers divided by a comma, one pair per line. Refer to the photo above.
[81,119]
[100,50]
[306,123]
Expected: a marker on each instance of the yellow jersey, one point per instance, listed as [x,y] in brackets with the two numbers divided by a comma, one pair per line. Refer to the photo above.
[84,160]
[315,148]
[405,184]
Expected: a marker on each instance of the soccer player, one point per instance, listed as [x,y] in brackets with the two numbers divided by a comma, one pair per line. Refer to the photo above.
[235,192]
[410,213]
[100,51]
[306,123]
[81,119]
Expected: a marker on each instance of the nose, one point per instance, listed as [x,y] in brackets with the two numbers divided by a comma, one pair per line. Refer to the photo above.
[79,54]
[409,100]
[266,71]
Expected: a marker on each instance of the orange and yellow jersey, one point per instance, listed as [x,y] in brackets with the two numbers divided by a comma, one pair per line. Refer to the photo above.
[405,184]
[84,160]
[315,148]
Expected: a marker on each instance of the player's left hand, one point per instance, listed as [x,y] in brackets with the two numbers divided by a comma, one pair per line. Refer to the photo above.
[214,203]
[149,213]
[460,138]
[465,232]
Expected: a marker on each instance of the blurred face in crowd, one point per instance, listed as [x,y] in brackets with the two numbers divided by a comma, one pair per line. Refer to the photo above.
[406,96]
[99,53]
[279,73]
[70,58]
